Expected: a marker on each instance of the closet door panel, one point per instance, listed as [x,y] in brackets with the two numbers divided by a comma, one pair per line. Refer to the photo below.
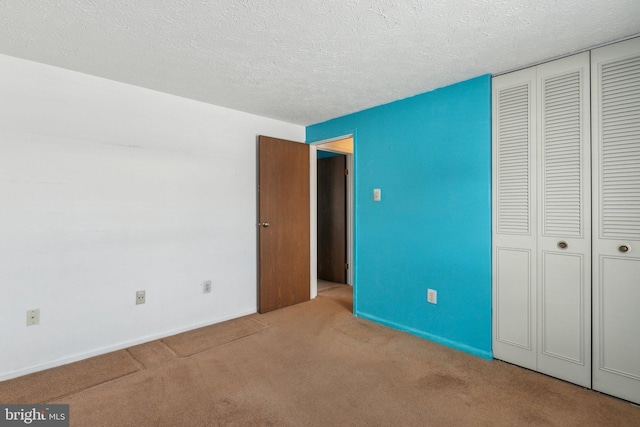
[513,290]
[564,232]
[616,209]
[562,316]
[514,224]
[620,358]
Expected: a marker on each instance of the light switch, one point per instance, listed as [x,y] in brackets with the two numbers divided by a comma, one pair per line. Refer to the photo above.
[377,195]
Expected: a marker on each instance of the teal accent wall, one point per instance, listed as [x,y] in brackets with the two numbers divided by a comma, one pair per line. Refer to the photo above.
[431,157]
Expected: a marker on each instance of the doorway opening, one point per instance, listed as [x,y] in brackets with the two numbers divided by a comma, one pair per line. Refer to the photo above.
[323,235]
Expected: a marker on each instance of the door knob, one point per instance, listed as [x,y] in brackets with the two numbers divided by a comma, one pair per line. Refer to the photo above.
[623,248]
[562,244]
[264,224]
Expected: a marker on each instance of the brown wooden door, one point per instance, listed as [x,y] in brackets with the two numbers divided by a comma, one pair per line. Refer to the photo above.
[284,221]
[332,219]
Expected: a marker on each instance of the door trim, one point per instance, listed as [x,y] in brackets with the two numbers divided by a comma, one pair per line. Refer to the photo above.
[313,170]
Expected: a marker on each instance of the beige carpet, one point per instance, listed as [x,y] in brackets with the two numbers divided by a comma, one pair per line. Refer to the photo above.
[51,384]
[202,339]
[313,364]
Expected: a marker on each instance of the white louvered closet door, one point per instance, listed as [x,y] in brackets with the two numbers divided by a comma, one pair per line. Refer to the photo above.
[616,219]
[541,229]
[514,225]
[564,219]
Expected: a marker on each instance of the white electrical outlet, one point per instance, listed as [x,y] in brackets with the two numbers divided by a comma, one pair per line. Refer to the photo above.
[432,296]
[206,287]
[33,317]
[140,297]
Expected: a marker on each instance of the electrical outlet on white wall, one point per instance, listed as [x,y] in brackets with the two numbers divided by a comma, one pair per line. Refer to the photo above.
[206,287]
[33,317]
[141,297]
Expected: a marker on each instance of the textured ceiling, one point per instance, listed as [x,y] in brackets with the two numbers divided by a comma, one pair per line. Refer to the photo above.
[304,61]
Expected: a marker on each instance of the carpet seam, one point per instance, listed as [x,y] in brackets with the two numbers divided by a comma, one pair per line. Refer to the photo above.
[92,386]
[169,348]
[224,344]
[135,358]
[260,322]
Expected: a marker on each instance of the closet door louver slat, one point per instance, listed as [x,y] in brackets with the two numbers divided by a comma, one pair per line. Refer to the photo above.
[620,133]
[513,160]
[562,171]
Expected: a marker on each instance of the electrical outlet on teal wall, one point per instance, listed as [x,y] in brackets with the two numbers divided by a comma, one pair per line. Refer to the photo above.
[431,154]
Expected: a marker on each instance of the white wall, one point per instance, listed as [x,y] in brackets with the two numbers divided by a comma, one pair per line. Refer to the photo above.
[107,188]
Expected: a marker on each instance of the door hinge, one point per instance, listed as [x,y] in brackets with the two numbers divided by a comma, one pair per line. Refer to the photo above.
[346,171]
[346,266]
